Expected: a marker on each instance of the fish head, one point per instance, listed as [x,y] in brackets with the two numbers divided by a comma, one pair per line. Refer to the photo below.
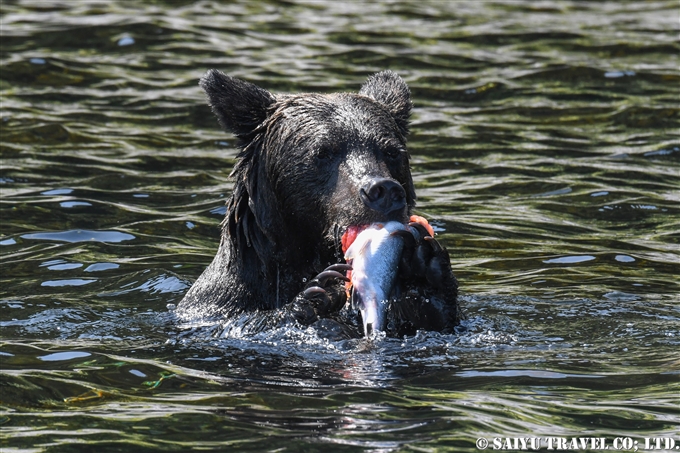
[372,309]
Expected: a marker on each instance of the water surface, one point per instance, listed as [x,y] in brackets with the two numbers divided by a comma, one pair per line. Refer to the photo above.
[545,150]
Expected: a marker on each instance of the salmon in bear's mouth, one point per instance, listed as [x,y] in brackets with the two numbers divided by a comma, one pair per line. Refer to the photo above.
[374,259]
[350,235]
[353,231]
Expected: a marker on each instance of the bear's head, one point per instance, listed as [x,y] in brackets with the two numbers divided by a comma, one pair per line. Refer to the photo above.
[312,165]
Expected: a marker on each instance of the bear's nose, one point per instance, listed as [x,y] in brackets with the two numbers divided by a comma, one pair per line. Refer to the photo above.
[383,194]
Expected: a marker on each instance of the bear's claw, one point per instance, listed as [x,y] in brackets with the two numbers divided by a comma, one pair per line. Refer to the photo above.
[323,277]
[340,267]
[313,291]
[322,295]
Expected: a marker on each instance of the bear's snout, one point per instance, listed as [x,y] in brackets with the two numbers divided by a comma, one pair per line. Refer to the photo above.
[383,195]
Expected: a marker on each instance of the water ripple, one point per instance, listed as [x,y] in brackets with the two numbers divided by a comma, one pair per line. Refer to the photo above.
[543,149]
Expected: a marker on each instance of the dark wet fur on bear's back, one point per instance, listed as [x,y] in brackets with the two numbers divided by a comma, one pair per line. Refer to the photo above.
[305,160]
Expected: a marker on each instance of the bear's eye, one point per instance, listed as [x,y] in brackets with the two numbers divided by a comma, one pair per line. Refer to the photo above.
[393,152]
[324,153]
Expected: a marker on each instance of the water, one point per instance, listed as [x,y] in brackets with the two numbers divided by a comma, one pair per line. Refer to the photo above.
[545,150]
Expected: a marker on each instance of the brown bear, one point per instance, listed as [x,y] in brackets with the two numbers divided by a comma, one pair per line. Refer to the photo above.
[310,166]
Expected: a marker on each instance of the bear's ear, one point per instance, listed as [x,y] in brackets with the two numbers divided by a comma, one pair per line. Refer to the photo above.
[390,90]
[239,106]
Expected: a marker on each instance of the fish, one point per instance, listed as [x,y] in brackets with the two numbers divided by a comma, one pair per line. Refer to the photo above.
[374,256]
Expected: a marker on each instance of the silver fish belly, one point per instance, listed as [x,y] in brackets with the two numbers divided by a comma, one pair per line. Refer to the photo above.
[374,256]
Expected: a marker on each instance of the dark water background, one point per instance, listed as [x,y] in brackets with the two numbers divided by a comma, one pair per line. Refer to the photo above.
[545,148]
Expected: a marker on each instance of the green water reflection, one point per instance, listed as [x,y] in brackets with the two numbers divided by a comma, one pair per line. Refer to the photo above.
[545,151]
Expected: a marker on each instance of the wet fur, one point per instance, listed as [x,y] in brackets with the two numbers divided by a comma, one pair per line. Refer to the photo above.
[302,161]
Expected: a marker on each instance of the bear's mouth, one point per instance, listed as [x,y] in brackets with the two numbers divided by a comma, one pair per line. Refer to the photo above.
[344,241]
[344,236]
[350,234]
